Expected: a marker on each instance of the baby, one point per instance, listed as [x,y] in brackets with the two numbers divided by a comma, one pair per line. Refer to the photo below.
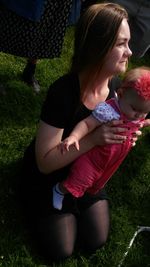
[91,171]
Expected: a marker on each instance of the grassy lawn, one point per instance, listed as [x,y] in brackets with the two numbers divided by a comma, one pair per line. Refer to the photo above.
[129,190]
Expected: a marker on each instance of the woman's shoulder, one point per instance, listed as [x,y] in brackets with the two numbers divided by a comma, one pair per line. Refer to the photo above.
[66,85]
[68,78]
[61,100]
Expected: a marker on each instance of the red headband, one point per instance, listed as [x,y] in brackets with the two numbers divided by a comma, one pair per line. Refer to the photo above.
[142,86]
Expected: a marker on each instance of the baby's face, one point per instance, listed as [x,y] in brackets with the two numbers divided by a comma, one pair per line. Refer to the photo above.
[133,106]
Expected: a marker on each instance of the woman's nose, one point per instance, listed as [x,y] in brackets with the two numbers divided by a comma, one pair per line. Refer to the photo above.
[129,52]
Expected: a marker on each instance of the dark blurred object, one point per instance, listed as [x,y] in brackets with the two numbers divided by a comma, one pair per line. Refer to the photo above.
[86,3]
[139,21]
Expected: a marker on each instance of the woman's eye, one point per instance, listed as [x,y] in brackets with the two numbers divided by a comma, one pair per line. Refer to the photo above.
[120,44]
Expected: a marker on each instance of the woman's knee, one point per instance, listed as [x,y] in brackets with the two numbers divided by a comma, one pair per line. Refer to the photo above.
[95,225]
[62,253]
[54,252]
[100,242]
[57,236]
[97,243]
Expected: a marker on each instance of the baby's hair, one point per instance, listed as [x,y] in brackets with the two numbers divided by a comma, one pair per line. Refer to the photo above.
[139,80]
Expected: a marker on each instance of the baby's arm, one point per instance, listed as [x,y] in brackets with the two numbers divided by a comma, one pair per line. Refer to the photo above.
[80,130]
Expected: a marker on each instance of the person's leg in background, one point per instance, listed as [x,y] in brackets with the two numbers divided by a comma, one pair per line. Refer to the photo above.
[29,74]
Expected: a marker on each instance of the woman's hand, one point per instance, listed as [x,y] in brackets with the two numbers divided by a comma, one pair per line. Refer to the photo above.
[135,137]
[114,132]
[110,133]
[145,123]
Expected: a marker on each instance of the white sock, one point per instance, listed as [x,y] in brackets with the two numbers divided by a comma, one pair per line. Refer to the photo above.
[58,197]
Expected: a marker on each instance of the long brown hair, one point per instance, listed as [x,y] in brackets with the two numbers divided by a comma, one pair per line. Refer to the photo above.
[95,35]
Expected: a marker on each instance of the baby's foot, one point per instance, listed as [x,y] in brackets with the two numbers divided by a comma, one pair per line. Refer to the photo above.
[58,197]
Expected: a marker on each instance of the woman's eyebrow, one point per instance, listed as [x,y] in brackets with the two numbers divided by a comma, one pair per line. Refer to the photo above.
[123,39]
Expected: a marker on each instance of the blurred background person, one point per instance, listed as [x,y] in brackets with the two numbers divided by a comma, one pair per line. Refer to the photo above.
[33,29]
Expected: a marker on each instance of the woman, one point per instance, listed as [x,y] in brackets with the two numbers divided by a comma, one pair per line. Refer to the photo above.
[100,51]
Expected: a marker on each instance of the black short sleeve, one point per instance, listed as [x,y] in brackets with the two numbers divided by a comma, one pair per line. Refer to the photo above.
[61,101]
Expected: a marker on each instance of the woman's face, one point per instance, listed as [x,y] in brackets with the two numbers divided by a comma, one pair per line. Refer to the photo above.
[117,58]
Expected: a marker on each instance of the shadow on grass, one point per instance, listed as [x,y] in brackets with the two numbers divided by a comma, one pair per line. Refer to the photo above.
[9,213]
[16,246]
[19,106]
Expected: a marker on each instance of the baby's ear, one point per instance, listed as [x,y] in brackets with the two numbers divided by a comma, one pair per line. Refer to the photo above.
[120,92]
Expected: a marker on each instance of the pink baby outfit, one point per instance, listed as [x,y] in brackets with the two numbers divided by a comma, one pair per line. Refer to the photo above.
[91,171]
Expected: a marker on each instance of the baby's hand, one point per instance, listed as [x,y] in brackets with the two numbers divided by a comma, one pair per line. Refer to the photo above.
[71,140]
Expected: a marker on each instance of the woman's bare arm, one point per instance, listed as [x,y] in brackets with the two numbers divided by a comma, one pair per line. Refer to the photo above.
[49,157]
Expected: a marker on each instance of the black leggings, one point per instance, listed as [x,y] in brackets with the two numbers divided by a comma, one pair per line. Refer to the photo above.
[57,233]
[84,219]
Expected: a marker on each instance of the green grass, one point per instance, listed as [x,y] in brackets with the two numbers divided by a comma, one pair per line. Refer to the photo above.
[129,190]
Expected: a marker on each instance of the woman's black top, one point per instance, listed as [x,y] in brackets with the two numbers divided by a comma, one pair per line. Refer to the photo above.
[62,108]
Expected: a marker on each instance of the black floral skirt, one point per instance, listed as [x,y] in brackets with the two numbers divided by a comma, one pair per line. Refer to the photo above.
[43,39]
